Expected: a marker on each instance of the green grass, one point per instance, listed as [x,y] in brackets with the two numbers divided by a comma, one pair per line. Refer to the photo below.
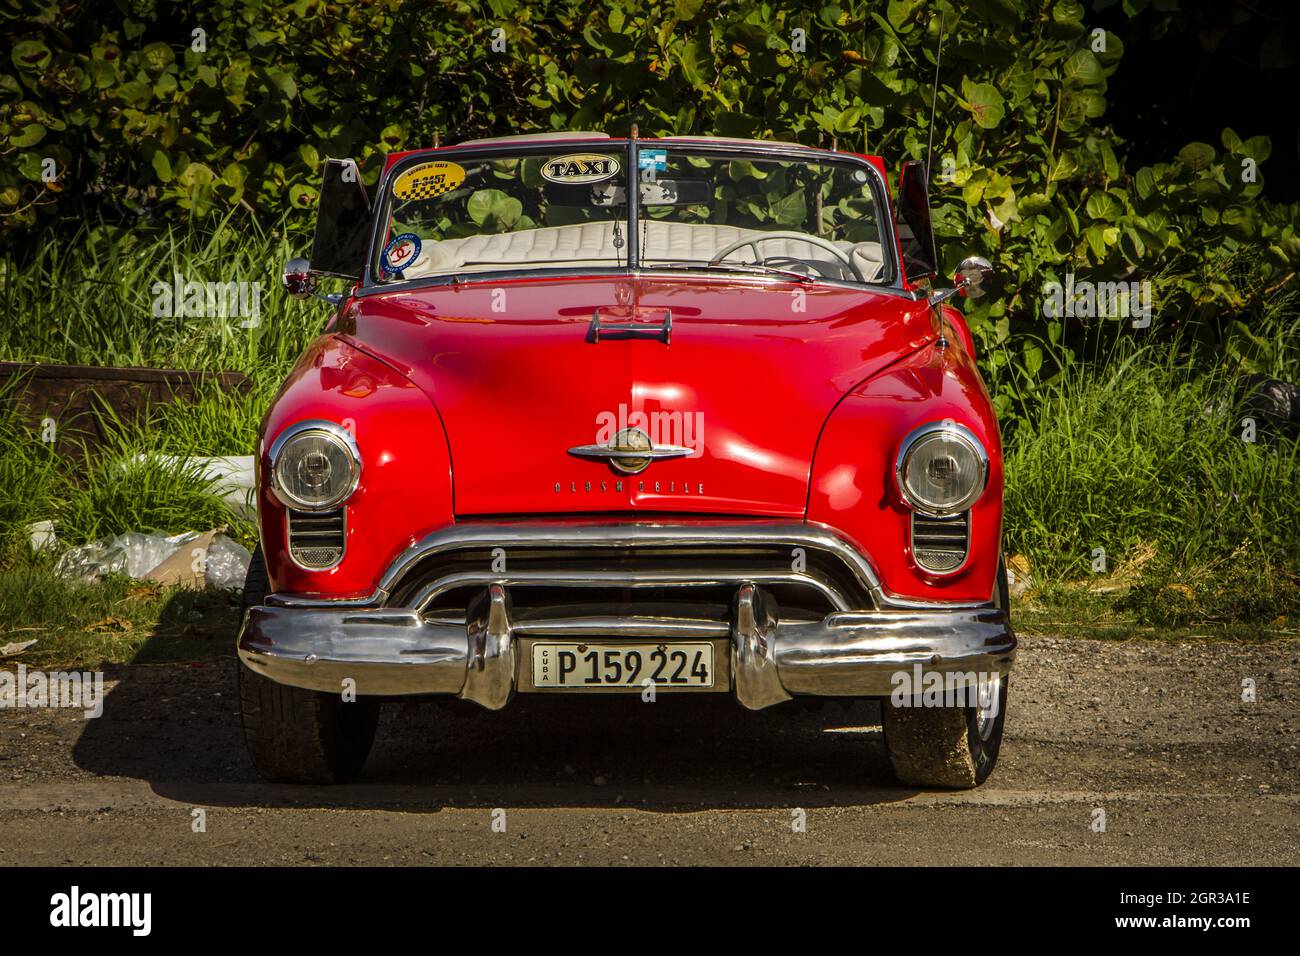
[90,300]
[123,487]
[1150,609]
[116,621]
[1144,459]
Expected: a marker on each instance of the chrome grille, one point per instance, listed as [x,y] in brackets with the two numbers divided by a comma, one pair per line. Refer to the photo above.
[812,579]
[940,544]
[316,538]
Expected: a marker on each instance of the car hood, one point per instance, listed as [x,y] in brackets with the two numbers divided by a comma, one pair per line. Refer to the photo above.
[751,371]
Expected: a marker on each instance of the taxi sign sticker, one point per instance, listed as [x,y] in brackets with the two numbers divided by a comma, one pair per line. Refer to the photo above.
[579,168]
[428,180]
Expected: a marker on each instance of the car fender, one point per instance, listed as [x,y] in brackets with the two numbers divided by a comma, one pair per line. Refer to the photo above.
[853,488]
[405,486]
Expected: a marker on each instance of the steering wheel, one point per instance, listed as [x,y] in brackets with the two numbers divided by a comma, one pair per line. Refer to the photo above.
[752,242]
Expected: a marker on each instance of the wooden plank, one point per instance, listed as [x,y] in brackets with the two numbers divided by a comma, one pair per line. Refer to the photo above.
[67,397]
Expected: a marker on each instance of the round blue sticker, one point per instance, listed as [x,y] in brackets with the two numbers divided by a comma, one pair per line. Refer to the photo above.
[400,252]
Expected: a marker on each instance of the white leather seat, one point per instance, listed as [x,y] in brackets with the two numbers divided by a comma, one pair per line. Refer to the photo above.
[592,244]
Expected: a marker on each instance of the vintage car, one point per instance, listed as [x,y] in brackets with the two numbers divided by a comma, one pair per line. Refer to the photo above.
[607,415]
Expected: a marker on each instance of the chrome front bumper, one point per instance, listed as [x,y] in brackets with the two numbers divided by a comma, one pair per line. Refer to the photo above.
[390,651]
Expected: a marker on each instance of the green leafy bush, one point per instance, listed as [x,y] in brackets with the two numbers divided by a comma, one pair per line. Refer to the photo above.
[157,111]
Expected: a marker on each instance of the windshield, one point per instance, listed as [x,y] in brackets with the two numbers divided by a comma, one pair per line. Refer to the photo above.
[698,208]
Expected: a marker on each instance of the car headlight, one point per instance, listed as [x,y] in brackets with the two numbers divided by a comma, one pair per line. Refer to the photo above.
[315,465]
[942,469]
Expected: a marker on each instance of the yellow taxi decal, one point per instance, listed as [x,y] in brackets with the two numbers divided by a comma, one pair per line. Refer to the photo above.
[428,180]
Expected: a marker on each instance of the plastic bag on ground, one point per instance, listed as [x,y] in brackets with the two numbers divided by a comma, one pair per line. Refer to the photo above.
[134,554]
[90,562]
[227,564]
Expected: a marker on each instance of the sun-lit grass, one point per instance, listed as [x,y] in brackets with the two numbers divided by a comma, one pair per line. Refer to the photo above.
[1144,459]
[90,300]
[116,621]
[123,486]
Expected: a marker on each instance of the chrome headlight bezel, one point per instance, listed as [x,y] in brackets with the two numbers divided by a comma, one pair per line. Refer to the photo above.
[915,441]
[330,431]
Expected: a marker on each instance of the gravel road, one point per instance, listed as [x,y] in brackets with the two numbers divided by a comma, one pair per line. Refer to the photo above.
[1155,734]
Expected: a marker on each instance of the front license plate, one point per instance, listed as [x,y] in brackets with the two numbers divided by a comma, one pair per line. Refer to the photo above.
[579,666]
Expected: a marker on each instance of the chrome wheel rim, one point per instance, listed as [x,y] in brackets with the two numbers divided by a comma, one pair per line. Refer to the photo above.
[986,718]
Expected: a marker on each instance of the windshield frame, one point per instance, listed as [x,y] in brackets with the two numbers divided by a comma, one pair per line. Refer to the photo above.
[372,282]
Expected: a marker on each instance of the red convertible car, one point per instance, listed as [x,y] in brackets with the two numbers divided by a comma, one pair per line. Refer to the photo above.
[615,415]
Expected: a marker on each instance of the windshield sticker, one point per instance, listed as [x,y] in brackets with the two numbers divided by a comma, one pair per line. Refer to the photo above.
[428,181]
[656,159]
[401,252]
[579,168]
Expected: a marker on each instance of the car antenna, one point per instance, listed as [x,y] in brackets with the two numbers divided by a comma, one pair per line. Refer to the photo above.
[437,139]
[934,96]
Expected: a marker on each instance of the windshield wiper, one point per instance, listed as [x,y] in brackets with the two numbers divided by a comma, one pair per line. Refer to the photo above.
[756,269]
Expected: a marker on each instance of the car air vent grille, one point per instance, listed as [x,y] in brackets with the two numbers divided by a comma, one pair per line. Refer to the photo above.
[940,544]
[316,537]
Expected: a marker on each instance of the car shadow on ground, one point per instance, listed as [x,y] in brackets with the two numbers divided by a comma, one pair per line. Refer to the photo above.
[177,727]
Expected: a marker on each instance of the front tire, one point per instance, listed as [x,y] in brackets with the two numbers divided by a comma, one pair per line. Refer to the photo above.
[296,735]
[951,747]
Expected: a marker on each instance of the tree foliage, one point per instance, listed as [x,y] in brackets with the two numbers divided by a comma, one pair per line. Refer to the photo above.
[146,111]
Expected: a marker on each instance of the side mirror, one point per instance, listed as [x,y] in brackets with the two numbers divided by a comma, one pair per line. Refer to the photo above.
[975,277]
[298,279]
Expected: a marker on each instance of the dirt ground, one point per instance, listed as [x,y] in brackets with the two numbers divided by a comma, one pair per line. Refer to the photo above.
[1154,734]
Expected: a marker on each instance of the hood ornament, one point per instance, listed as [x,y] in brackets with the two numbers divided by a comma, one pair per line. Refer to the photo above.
[630,451]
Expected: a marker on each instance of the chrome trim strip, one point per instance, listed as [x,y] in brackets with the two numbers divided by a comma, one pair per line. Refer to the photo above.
[612,626]
[654,451]
[633,180]
[577,533]
[623,579]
